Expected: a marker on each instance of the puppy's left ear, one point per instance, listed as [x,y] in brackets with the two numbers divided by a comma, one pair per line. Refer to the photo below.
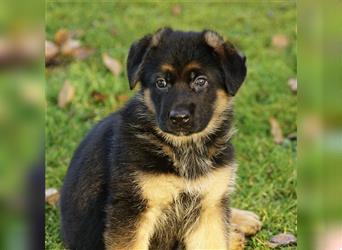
[233,62]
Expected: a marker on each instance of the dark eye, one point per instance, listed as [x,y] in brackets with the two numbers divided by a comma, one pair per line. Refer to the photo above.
[201,81]
[161,83]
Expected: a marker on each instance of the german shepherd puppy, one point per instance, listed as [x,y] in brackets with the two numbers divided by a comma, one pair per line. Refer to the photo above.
[158,173]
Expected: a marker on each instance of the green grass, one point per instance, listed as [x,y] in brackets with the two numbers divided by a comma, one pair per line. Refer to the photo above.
[267,172]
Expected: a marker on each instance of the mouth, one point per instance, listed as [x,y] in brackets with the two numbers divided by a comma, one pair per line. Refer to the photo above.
[181,133]
[178,131]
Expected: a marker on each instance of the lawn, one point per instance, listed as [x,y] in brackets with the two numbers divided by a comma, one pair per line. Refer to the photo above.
[267,171]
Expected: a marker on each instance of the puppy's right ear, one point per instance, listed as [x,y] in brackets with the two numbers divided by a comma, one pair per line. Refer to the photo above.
[138,51]
[135,58]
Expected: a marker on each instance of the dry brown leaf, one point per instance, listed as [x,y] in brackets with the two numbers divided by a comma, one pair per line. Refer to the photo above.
[276,131]
[82,53]
[98,96]
[122,98]
[282,240]
[293,85]
[66,94]
[176,10]
[51,51]
[112,64]
[61,36]
[280,41]
[52,196]
[70,46]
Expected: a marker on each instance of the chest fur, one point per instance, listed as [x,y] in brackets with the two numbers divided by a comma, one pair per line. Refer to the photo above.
[159,190]
[175,205]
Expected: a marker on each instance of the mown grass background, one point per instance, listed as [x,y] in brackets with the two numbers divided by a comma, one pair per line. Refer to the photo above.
[267,172]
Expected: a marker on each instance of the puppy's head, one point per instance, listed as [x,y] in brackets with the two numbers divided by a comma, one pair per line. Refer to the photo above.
[187,78]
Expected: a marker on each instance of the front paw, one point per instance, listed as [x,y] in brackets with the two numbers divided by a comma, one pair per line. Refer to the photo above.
[237,240]
[245,221]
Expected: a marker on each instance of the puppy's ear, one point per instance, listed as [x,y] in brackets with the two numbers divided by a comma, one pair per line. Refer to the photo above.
[232,61]
[137,53]
[135,59]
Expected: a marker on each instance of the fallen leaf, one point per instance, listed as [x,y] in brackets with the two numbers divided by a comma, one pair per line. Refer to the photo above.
[82,53]
[282,240]
[61,36]
[292,82]
[51,51]
[176,10]
[276,131]
[98,96]
[70,46]
[112,64]
[122,98]
[66,94]
[52,196]
[280,41]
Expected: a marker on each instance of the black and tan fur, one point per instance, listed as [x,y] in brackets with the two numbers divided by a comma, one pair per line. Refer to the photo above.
[139,181]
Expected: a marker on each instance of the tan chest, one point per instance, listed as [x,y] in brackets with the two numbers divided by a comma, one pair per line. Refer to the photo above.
[160,190]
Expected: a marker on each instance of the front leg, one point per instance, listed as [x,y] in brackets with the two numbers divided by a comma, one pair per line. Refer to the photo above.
[237,240]
[211,229]
[130,218]
[132,233]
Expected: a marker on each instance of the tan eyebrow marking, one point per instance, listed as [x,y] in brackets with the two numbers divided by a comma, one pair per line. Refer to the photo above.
[167,67]
[192,65]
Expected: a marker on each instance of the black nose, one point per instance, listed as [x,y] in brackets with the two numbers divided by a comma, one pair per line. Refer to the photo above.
[179,117]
